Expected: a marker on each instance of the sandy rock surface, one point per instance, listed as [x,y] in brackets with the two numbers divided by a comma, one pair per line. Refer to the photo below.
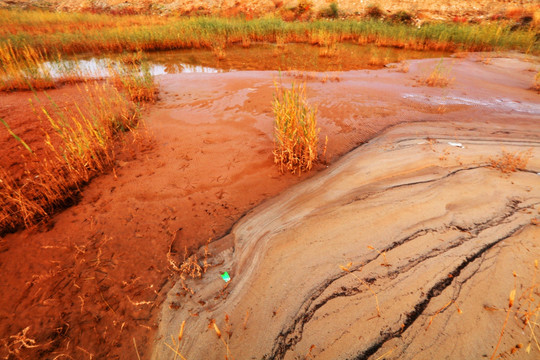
[417,237]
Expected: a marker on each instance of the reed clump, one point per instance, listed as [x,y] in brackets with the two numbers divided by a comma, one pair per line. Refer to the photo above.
[79,145]
[509,162]
[296,135]
[23,69]
[536,83]
[136,79]
[29,68]
[439,77]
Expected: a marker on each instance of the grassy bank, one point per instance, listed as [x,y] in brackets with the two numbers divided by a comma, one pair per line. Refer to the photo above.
[80,140]
[29,38]
[87,134]
[71,33]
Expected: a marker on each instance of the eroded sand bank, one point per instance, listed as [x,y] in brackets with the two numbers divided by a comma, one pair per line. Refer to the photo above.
[451,230]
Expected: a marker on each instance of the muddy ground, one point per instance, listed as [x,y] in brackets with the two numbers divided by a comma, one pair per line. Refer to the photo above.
[90,283]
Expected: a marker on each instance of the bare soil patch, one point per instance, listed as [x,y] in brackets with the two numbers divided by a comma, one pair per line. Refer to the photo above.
[426,9]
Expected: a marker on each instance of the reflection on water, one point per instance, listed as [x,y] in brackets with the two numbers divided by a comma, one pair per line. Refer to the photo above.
[99,68]
[158,69]
[303,57]
[92,68]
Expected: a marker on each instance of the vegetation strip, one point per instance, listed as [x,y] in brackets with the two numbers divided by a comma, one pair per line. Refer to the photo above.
[79,145]
[71,33]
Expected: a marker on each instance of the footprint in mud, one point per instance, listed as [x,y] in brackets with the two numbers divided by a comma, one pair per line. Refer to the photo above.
[219,194]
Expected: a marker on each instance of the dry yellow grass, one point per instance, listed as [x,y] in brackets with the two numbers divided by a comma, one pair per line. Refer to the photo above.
[86,134]
[191,267]
[526,310]
[509,162]
[79,146]
[403,67]
[176,347]
[228,331]
[347,269]
[439,77]
[536,83]
[296,135]
[23,70]
[135,78]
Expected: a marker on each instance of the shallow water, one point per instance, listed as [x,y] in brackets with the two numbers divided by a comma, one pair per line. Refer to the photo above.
[301,57]
[500,104]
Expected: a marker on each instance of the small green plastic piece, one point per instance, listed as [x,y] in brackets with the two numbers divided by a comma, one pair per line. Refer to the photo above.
[225,276]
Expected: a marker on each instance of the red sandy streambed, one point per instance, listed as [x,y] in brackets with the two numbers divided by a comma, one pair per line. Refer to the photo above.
[89,284]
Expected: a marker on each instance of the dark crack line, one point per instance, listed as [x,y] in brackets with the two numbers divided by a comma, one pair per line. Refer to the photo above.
[285,342]
[528,171]
[450,174]
[472,231]
[307,315]
[460,283]
[454,297]
[392,187]
[435,291]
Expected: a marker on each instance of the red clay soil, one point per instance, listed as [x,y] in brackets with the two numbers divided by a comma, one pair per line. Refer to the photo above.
[20,111]
[88,284]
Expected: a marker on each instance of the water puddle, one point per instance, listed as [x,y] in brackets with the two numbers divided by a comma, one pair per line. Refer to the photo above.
[501,104]
[301,57]
[100,68]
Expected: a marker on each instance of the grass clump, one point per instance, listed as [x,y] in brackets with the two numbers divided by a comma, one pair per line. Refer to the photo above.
[374,12]
[304,6]
[439,77]
[23,69]
[536,83]
[296,135]
[332,11]
[79,144]
[402,17]
[136,79]
[509,162]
